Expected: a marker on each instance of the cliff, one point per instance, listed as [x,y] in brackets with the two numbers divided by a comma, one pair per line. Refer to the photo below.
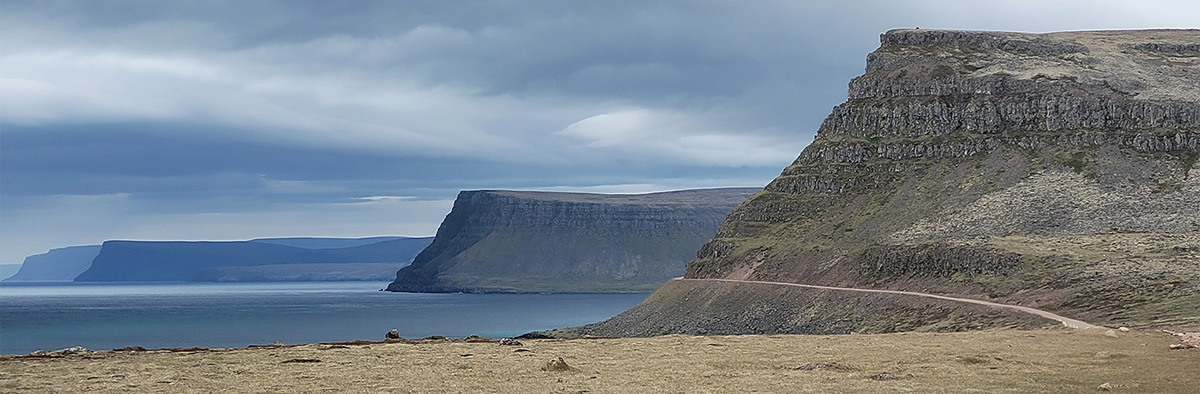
[1054,170]
[255,260]
[511,241]
[56,265]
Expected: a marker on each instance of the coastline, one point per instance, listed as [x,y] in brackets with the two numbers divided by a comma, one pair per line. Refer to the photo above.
[233,315]
[1050,360]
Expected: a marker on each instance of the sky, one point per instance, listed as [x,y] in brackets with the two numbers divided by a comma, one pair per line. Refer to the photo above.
[226,120]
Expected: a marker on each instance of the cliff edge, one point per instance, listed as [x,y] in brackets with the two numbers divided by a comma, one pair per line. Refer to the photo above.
[1057,171]
[261,260]
[518,241]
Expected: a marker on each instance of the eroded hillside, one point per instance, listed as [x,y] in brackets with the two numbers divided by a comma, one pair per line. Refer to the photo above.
[1050,170]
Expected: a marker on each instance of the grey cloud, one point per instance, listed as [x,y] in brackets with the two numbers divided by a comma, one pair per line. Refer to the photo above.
[119,116]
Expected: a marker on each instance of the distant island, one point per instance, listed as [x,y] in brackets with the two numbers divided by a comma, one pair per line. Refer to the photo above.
[520,241]
[257,260]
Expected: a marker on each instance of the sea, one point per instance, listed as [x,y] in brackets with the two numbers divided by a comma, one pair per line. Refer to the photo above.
[51,316]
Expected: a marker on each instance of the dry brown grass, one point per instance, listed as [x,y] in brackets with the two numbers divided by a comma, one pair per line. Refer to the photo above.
[997,361]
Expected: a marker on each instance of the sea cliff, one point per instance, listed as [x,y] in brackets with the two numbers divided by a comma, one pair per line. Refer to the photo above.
[56,265]
[515,241]
[264,260]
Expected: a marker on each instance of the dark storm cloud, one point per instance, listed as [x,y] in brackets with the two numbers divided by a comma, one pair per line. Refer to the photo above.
[124,119]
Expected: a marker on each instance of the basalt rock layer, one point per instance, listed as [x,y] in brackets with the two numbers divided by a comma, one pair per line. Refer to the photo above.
[1054,170]
[513,241]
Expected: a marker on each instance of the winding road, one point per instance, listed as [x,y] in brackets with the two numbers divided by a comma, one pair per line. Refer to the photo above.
[1072,323]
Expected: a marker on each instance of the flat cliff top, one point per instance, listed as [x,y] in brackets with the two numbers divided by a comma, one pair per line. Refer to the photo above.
[1139,64]
[721,197]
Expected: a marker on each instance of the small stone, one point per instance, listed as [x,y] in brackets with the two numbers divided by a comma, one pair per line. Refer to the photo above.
[883,376]
[1105,387]
[810,366]
[74,350]
[300,361]
[61,352]
[1123,329]
[1110,333]
[510,342]
[557,364]
[393,334]
[1180,346]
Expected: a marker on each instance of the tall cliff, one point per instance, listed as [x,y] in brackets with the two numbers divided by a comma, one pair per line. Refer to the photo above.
[1051,170]
[252,261]
[56,265]
[511,241]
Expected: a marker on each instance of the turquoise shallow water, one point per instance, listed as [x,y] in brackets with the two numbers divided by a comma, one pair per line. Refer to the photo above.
[107,316]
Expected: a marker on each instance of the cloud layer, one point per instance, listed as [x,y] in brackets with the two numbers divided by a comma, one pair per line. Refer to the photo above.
[190,120]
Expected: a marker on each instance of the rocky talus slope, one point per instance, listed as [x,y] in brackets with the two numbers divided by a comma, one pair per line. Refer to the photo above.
[1057,171]
[512,241]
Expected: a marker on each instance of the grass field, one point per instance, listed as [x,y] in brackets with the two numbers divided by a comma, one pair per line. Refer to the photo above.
[995,361]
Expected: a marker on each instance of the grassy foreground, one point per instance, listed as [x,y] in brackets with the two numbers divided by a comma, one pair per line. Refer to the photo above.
[995,361]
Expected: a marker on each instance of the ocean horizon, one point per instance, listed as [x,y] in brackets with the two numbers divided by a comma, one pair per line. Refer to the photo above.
[101,316]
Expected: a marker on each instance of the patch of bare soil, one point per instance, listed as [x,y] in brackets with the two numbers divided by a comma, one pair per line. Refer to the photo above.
[1025,361]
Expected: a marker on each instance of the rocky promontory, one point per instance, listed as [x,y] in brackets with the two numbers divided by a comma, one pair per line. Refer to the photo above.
[56,265]
[1057,171]
[261,260]
[519,241]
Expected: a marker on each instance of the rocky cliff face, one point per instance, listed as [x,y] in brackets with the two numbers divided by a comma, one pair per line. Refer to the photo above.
[252,261]
[509,241]
[56,265]
[1052,170]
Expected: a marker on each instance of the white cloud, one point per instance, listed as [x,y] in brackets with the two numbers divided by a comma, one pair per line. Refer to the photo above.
[649,135]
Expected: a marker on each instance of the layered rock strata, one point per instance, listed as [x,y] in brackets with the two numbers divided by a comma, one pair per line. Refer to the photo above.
[513,241]
[1054,170]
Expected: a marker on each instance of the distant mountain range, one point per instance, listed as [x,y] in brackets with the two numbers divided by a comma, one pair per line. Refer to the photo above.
[267,259]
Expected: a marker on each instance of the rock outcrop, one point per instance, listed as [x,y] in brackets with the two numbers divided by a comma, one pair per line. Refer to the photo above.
[514,241]
[310,259]
[1050,170]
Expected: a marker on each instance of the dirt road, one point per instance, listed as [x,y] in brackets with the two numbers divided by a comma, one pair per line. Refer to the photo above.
[1072,323]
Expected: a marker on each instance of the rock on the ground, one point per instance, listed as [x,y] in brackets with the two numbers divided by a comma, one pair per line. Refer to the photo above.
[883,376]
[557,364]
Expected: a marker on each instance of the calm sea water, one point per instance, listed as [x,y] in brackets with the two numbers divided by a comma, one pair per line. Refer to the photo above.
[107,316]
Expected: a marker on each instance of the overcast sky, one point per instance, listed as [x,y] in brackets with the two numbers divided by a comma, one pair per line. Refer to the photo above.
[180,120]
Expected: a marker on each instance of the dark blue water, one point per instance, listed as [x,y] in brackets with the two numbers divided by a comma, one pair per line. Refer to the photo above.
[107,316]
